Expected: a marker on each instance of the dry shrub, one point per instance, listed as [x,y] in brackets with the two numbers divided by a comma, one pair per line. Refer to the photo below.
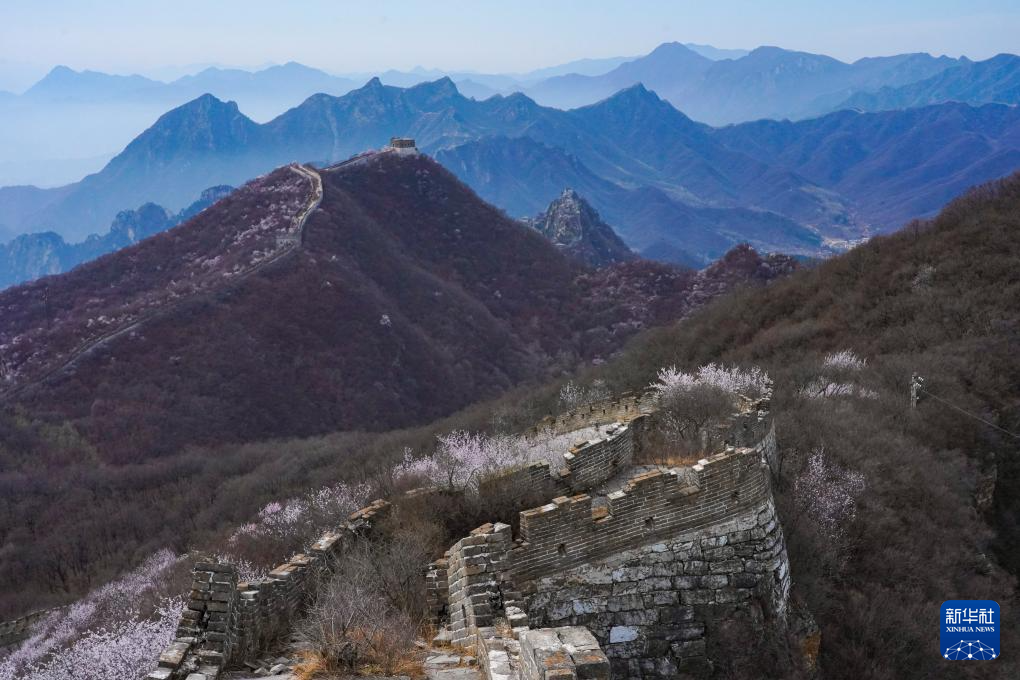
[371,610]
[686,426]
[354,628]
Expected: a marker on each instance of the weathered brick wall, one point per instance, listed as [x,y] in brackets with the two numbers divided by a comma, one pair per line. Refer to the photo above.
[535,480]
[227,622]
[621,410]
[474,572]
[437,589]
[650,570]
[662,502]
[586,465]
[596,462]
[652,608]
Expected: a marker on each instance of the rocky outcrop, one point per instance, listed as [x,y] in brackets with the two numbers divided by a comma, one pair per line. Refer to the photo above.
[575,228]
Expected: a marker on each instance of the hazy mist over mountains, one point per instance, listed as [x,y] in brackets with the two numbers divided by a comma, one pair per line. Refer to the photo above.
[41,144]
[628,133]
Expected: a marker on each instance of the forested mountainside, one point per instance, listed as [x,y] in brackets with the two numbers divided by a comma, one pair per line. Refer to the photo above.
[887,510]
[408,298]
[929,495]
[404,275]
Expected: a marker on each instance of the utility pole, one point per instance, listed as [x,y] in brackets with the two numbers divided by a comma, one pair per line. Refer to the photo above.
[916,385]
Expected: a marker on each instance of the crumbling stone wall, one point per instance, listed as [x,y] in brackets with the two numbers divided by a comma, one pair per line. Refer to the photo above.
[652,607]
[586,465]
[643,574]
[592,463]
[564,652]
[475,567]
[227,622]
[651,571]
[624,409]
[661,502]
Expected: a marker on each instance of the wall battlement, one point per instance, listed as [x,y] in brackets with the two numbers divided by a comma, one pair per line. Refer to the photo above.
[658,503]
[586,465]
[648,570]
[623,410]
[227,622]
[21,628]
[628,583]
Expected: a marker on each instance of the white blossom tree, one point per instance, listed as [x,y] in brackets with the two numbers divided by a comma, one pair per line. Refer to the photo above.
[689,403]
[462,459]
[573,395]
[109,633]
[839,376]
[826,494]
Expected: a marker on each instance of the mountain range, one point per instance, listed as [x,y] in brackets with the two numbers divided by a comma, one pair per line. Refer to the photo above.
[675,189]
[31,256]
[768,82]
[408,298]
[995,80]
[41,138]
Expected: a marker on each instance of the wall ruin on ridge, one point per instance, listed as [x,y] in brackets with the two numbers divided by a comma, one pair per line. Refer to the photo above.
[649,570]
[596,584]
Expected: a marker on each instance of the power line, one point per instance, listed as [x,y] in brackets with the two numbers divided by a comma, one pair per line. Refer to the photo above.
[968,413]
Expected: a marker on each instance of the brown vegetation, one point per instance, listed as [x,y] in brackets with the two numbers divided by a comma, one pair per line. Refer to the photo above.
[938,298]
[142,445]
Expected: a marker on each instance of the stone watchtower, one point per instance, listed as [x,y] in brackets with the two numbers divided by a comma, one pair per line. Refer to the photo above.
[403,145]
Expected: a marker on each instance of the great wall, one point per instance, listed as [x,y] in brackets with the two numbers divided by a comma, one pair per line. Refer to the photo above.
[619,575]
[628,571]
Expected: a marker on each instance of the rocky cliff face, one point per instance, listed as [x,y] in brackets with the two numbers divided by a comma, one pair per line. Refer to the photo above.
[576,229]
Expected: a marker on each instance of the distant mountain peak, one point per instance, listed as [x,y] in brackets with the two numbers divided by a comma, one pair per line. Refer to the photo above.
[443,87]
[60,70]
[205,104]
[673,46]
[576,229]
[635,93]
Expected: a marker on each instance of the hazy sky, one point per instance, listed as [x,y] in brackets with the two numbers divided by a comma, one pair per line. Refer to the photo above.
[124,36]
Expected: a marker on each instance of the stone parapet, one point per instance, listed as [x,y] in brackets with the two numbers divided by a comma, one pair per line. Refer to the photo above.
[652,607]
[228,622]
[19,629]
[570,531]
[624,409]
[475,566]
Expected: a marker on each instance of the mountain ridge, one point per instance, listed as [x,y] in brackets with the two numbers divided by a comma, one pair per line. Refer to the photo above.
[30,256]
[633,141]
[995,80]
[115,109]
[493,304]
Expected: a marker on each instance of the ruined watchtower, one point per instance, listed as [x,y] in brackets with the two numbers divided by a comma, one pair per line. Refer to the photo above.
[403,145]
